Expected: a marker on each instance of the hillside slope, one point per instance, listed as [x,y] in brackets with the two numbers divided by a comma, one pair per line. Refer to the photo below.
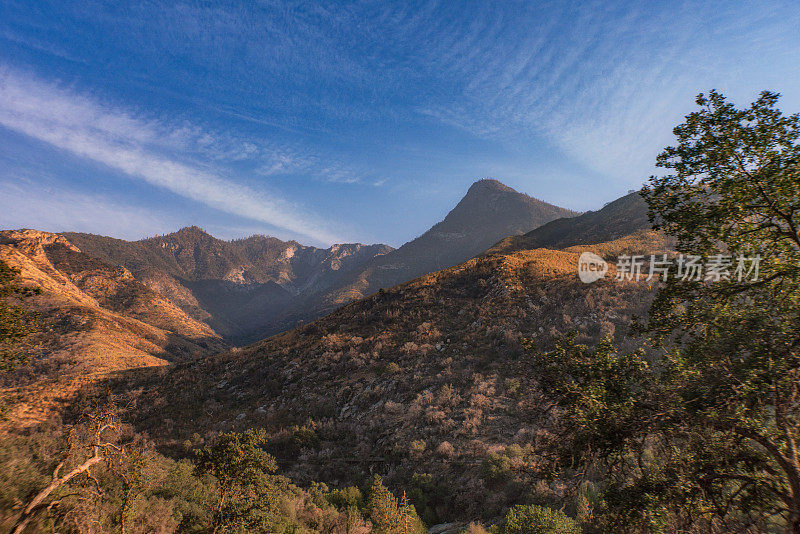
[424,383]
[95,317]
[622,217]
[488,212]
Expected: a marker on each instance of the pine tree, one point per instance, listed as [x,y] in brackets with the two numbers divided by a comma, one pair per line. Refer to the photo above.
[383,509]
[405,514]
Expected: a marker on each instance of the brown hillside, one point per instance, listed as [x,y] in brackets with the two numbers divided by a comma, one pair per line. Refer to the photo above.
[423,383]
[95,317]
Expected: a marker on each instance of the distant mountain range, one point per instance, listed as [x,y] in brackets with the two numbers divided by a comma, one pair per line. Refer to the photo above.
[236,287]
[251,288]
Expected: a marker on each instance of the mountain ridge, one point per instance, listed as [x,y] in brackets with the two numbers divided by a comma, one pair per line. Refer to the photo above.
[618,218]
[227,284]
[253,287]
[94,318]
[489,211]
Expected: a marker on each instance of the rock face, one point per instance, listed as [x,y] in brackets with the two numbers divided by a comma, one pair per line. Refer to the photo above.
[447,528]
[192,254]
[239,288]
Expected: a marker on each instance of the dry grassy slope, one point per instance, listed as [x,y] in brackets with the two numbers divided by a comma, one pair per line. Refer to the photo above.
[422,378]
[95,318]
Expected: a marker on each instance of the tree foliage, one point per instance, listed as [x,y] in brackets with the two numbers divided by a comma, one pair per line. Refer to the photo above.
[606,392]
[533,519]
[736,362]
[704,438]
[389,516]
[100,476]
[249,492]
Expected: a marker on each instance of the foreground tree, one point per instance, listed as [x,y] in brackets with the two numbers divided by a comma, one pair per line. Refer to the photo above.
[95,442]
[249,491]
[736,192]
[706,437]
[388,516]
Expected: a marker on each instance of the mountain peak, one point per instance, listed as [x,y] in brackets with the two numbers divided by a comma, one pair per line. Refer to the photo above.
[187,234]
[487,185]
[491,203]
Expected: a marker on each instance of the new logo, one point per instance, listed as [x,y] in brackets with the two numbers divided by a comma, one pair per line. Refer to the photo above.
[591,267]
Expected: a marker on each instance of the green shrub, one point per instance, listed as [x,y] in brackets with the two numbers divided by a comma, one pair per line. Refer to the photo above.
[417,447]
[497,468]
[534,519]
[346,497]
[513,386]
[290,442]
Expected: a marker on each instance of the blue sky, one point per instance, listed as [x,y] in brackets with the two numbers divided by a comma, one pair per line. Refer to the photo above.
[366,121]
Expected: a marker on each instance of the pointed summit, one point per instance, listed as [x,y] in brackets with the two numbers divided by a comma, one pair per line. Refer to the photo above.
[495,210]
[489,212]
[191,232]
[487,186]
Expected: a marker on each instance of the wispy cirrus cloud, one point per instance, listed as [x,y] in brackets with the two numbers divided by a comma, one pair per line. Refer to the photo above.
[144,149]
[287,161]
[569,101]
[605,83]
[59,209]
